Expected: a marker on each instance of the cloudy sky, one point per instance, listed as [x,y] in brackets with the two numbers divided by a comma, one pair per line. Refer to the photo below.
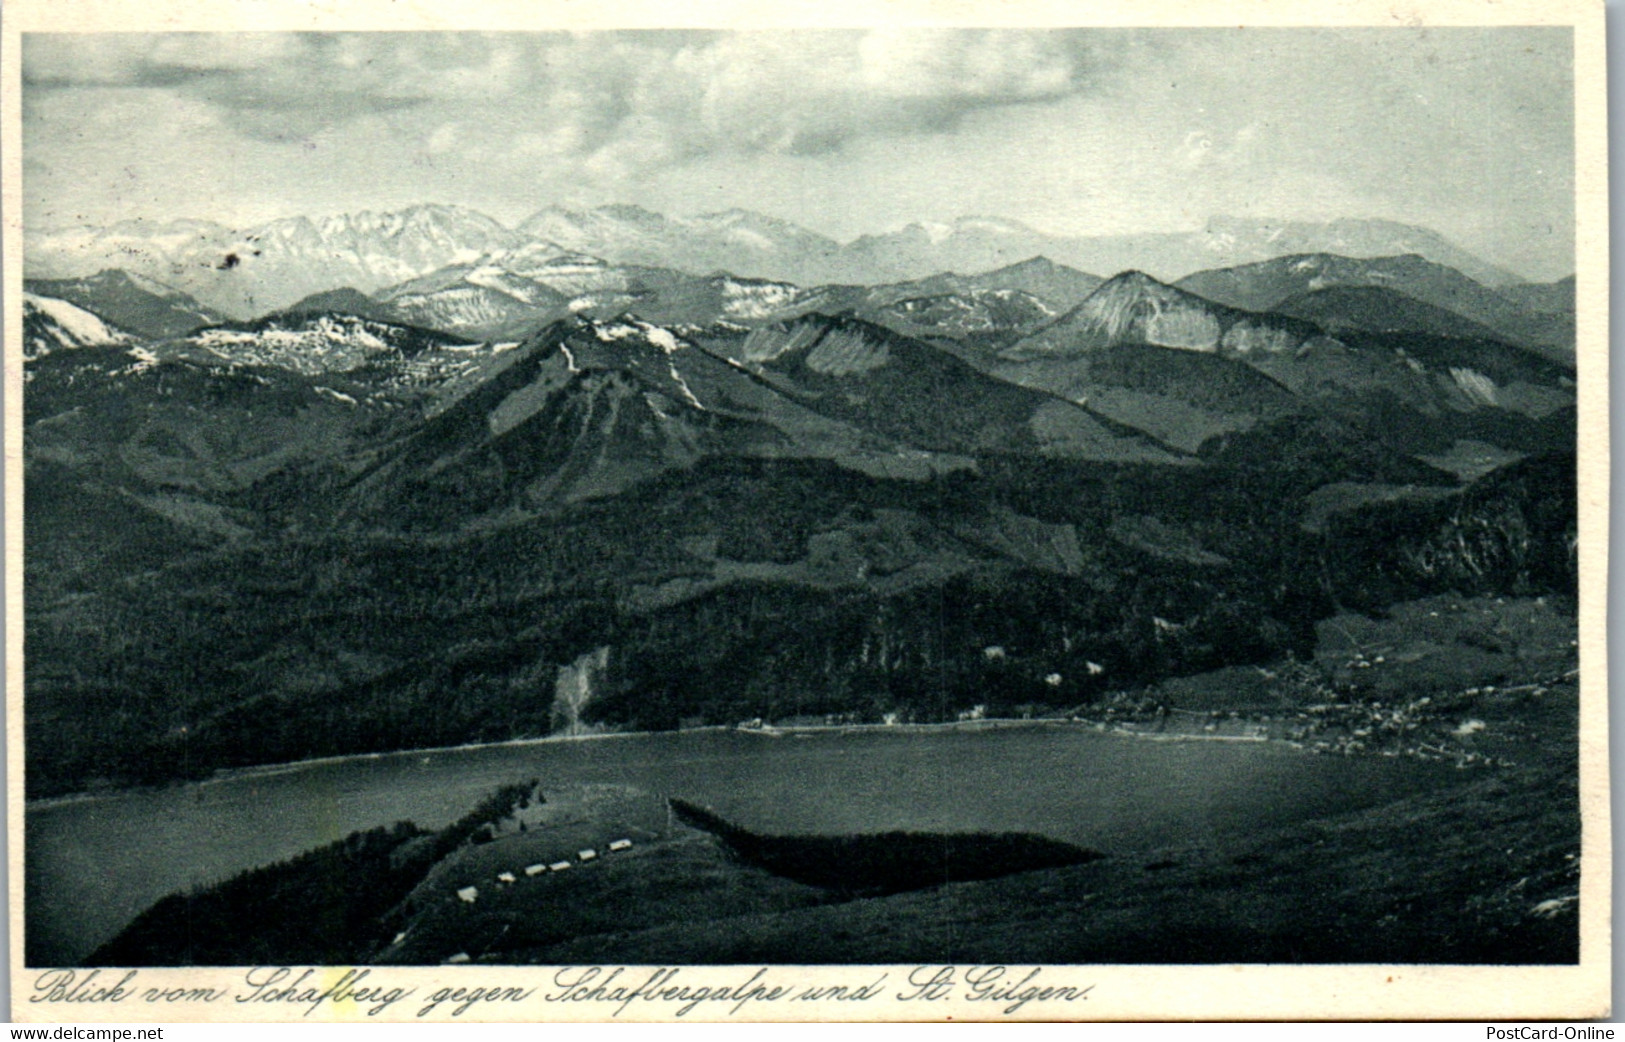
[1469,131]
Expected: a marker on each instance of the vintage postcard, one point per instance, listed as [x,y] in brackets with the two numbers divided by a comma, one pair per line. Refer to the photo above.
[892,511]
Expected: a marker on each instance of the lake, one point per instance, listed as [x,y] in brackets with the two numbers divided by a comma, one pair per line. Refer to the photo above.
[93,864]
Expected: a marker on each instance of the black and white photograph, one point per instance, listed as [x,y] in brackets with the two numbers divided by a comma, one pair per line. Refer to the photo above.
[935,507]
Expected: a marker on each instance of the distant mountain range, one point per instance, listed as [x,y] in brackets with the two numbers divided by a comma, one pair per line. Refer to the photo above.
[952,366]
[245,272]
[510,293]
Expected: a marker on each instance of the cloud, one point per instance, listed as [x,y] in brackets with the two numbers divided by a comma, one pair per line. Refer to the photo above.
[612,102]
[1207,150]
[271,86]
[988,66]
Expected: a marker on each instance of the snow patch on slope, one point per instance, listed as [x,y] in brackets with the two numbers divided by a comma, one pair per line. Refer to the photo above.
[78,323]
[51,325]
[756,300]
[664,339]
[1479,389]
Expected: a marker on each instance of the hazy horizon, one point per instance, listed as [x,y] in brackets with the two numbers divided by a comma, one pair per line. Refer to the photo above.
[1467,132]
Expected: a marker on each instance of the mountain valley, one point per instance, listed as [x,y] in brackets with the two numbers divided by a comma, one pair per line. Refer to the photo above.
[409,481]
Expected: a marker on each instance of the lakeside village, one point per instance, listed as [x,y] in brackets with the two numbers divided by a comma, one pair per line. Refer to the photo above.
[1329,721]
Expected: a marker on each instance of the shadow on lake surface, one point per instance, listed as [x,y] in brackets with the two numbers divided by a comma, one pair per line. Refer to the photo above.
[887,862]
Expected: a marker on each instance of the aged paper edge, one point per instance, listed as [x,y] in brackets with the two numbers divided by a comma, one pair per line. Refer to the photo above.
[1116,993]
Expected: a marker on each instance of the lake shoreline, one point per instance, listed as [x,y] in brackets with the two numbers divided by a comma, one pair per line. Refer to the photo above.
[767,731]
